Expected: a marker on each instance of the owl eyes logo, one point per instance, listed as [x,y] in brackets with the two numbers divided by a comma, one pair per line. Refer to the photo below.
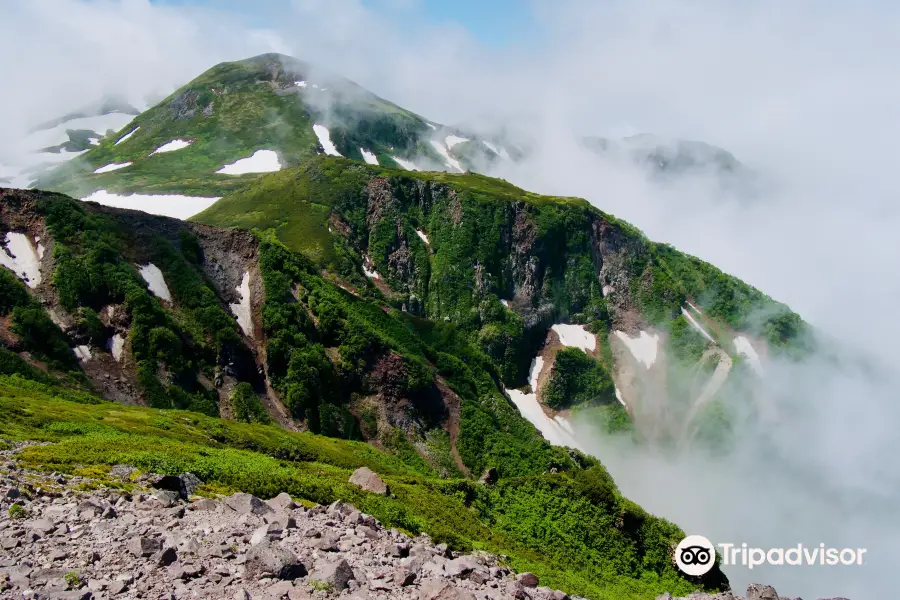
[695,555]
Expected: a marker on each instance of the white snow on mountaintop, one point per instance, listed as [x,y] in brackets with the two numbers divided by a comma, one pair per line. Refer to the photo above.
[325,140]
[405,164]
[451,162]
[643,347]
[112,167]
[156,283]
[172,146]
[300,84]
[369,157]
[452,140]
[167,205]
[575,336]
[19,256]
[127,135]
[262,161]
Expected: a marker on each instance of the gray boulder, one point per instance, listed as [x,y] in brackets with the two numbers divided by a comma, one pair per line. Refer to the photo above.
[336,573]
[272,559]
[369,481]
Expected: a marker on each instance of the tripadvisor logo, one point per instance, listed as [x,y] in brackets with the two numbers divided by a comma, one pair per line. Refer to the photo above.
[695,555]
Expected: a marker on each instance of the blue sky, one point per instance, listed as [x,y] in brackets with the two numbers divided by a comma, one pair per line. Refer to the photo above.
[495,23]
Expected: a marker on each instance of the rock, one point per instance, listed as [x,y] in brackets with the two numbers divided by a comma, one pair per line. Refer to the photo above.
[167,498]
[118,586]
[203,504]
[273,559]
[12,493]
[241,594]
[189,571]
[189,484]
[336,573]
[557,595]
[43,526]
[490,476]
[165,557]
[144,546]
[247,504]
[756,591]
[280,589]
[408,570]
[282,502]
[328,542]
[281,519]
[529,580]
[436,589]
[268,532]
[369,481]
[461,567]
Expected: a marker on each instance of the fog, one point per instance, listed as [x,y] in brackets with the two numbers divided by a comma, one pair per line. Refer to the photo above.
[804,93]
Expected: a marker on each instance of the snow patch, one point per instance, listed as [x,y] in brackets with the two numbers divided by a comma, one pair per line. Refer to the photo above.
[452,140]
[643,347]
[156,282]
[325,139]
[745,348]
[619,396]
[167,205]
[405,164]
[501,152]
[19,256]
[242,309]
[300,84]
[575,336]
[261,161]
[369,157]
[557,431]
[117,347]
[451,162]
[696,325]
[83,353]
[430,125]
[94,141]
[504,303]
[112,167]
[40,251]
[127,135]
[370,274]
[422,235]
[697,310]
[172,146]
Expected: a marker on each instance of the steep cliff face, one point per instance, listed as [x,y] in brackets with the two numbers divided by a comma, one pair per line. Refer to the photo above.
[503,266]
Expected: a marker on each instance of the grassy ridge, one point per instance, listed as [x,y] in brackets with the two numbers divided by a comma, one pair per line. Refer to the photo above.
[573,529]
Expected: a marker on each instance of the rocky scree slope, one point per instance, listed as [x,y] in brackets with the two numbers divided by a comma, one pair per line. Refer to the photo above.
[158,540]
[258,115]
[672,337]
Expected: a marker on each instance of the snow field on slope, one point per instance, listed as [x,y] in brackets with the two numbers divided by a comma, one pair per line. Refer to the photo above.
[166,205]
[19,256]
[261,161]
[325,140]
[155,281]
[643,347]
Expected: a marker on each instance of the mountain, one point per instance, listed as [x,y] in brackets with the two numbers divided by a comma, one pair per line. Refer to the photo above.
[147,310]
[320,313]
[258,115]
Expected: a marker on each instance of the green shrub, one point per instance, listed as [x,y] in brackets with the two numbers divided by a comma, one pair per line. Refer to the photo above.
[246,405]
[575,379]
[17,512]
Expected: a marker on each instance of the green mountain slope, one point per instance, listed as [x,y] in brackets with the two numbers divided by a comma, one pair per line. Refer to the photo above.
[266,103]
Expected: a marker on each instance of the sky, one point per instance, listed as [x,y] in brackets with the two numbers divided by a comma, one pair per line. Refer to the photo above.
[806,93]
